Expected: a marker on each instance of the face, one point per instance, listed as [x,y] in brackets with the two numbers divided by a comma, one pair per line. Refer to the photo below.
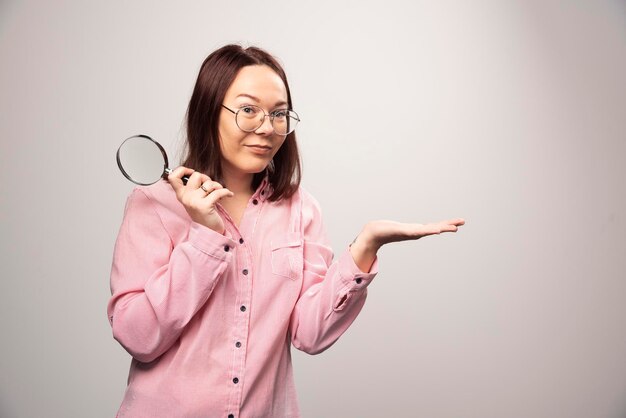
[251,152]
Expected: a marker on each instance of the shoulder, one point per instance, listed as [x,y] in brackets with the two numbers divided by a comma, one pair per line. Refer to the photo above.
[310,209]
[160,194]
[308,200]
[158,198]
[313,226]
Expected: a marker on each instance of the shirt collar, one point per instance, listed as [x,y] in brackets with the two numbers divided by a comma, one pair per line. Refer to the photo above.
[264,190]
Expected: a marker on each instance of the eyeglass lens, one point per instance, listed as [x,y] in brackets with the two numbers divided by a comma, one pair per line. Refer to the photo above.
[250,118]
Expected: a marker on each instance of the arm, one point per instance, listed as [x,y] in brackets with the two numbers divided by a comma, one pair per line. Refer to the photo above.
[333,293]
[157,288]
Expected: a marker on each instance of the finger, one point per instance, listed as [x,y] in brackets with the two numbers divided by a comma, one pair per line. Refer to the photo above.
[175,178]
[210,184]
[433,229]
[449,228]
[209,187]
[218,194]
[440,227]
[179,172]
[205,177]
[195,180]
[416,231]
[455,221]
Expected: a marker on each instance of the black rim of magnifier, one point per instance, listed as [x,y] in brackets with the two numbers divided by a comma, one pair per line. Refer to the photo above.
[119,163]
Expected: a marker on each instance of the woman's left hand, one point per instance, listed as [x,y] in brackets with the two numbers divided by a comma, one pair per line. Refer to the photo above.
[379,233]
[375,234]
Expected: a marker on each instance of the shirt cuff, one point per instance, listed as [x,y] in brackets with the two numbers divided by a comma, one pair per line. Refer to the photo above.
[350,273]
[210,242]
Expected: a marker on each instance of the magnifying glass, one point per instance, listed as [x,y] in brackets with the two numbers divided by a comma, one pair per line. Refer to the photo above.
[143,161]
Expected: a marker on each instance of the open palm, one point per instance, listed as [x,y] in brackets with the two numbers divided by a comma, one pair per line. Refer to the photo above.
[383,232]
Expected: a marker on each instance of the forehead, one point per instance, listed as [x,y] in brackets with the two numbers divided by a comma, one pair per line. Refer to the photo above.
[258,81]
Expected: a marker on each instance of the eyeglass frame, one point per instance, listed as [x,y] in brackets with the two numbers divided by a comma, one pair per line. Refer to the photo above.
[271,115]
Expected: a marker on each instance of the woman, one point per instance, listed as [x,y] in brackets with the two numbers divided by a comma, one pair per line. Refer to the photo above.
[213,280]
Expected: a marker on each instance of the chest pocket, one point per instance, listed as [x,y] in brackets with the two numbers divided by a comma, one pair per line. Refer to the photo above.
[288,256]
[288,249]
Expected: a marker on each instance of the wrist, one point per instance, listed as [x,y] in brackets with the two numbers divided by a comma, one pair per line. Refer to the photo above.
[365,240]
[363,250]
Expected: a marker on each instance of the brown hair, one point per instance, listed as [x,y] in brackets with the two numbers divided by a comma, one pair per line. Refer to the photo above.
[202,145]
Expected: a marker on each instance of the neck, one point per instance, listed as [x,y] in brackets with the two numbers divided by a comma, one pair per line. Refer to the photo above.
[238,183]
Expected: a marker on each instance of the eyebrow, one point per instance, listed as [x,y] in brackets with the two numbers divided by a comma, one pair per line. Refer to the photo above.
[258,101]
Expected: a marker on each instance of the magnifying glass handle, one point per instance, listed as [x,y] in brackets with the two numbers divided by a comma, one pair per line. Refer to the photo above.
[168,171]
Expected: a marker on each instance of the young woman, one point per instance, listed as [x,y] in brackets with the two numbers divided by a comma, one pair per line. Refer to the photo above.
[213,280]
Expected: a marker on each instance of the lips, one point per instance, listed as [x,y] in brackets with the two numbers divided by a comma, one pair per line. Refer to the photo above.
[259,149]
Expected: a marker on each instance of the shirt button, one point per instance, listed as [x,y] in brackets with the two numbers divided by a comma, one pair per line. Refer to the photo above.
[237,344]
[245,271]
[255,202]
[243,308]
[235,380]
[358,280]
[240,240]
[226,248]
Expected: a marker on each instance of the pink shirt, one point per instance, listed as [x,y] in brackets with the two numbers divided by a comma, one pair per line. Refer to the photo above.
[209,319]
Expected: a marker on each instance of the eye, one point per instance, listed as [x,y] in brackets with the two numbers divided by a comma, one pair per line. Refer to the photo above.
[249,111]
[280,114]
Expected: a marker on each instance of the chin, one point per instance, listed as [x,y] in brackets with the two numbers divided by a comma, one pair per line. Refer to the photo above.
[255,168]
[248,164]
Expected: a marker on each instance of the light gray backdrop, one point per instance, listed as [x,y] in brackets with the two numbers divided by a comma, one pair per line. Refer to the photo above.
[511,114]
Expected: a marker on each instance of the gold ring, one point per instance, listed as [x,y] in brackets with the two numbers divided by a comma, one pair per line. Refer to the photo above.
[202,187]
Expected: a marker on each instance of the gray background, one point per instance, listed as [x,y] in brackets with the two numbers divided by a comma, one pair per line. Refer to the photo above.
[511,114]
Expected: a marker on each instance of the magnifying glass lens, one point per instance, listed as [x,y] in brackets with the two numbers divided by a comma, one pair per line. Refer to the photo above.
[141,160]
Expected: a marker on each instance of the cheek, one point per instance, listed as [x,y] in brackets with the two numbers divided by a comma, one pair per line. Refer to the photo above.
[230,139]
[227,124]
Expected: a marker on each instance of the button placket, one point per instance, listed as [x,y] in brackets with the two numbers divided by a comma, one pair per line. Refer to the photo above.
[244,299]
[242,318]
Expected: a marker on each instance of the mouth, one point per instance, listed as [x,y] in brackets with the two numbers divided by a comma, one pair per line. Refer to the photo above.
[259,149]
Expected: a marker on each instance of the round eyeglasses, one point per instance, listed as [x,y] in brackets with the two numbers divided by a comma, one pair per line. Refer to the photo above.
[249,118]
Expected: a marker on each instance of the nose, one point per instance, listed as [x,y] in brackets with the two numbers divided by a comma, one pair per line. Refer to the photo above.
[266,127]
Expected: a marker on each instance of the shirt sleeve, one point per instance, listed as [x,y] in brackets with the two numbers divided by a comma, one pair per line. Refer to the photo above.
[333,292]
[156,287]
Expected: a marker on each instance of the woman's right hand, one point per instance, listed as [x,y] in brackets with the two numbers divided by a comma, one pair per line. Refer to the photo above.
[199,204]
